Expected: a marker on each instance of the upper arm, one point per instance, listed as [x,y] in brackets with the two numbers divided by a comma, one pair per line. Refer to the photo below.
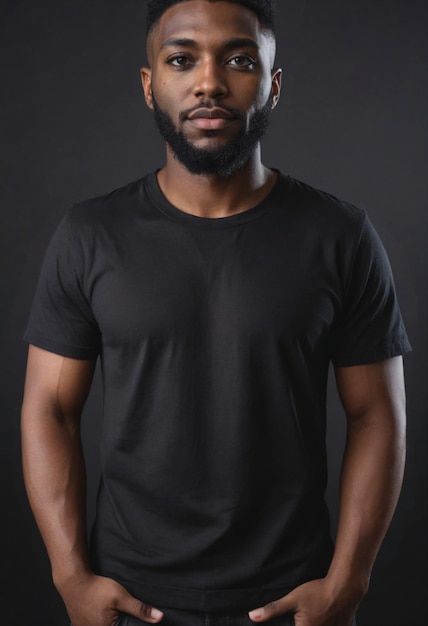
[373,392]
[55,385]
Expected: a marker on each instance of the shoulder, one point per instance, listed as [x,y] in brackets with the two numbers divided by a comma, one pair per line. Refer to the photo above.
[321,205]
[318,215]
[104,209]
[86,226]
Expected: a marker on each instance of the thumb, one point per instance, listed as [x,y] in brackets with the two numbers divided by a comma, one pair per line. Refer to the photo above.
[140,610]
[273,609]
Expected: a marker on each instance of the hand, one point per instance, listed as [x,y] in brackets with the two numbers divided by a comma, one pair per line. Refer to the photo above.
[313,604]
[97,601]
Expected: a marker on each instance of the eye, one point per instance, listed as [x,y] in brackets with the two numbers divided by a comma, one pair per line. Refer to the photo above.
[242,60]
[180,61]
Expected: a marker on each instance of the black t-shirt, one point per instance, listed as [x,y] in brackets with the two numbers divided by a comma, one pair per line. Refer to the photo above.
[215,338]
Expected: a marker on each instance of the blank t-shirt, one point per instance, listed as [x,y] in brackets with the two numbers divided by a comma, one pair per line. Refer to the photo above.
[215,338]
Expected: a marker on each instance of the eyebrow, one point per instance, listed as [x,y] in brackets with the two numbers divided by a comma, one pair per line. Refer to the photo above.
[236,42]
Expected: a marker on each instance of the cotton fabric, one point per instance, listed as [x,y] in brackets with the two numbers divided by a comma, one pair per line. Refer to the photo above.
[215,338]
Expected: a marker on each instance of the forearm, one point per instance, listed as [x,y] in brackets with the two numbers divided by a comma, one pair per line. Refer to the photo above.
[371,479]
[56,389]
[54,474]
[372,471]
[370,483]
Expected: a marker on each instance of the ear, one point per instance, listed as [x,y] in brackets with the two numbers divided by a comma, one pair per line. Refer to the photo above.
[276,85]
[146,81]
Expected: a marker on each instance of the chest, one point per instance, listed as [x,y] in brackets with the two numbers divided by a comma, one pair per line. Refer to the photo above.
[242,282]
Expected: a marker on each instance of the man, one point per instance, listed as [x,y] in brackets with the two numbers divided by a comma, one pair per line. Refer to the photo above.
[215,292]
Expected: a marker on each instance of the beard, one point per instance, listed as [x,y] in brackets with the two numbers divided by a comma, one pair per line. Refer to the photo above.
[223,161]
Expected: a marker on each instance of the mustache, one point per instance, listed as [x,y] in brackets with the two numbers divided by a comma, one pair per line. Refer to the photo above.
[235,113]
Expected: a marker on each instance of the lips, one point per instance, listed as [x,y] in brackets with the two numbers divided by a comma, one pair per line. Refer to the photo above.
[211,119]
[210,114]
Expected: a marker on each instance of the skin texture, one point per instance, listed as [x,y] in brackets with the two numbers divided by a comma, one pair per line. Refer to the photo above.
[56,388]
[192,64]
[373,397]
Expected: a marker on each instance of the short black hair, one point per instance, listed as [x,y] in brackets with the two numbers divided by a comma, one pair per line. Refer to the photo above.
[264,9]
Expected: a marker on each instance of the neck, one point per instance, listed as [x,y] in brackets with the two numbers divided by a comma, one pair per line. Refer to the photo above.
[214,196]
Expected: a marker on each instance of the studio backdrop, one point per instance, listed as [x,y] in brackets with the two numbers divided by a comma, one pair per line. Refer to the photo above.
[351,121]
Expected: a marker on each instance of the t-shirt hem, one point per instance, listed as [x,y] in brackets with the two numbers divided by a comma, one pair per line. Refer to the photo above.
[381,353]
[212,600]
[73,352]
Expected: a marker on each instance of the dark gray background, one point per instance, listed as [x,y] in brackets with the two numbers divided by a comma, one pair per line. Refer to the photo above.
[352,121]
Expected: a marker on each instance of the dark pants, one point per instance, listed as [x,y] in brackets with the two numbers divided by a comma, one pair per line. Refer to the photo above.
[187,618]
[173,617]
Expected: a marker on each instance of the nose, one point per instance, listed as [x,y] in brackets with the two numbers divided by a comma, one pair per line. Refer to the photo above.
[210,80]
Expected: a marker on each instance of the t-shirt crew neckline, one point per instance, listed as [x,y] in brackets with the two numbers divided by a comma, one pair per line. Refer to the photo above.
[164,206]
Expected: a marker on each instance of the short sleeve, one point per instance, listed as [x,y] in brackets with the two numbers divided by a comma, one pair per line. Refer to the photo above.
[370,327]
[61,319]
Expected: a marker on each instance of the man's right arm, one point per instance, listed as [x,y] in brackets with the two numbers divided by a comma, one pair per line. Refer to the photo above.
[56,389]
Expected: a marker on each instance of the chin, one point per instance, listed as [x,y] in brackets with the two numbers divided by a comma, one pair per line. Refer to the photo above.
[209,144]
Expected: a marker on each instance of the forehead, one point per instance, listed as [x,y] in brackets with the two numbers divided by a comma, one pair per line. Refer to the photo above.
[199,19]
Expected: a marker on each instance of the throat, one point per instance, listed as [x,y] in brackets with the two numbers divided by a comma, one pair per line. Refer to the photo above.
[215,197]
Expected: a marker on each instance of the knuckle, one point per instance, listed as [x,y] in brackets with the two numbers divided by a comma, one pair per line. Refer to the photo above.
[144,609]
[274,608]
[140,607]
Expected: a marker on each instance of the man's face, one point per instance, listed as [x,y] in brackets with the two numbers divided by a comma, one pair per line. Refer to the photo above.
[211,83]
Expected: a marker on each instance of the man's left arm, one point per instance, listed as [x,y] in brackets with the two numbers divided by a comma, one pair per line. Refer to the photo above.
[373,397]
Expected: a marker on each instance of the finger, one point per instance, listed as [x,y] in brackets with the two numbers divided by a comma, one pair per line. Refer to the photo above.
[140,610]
[271,610]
